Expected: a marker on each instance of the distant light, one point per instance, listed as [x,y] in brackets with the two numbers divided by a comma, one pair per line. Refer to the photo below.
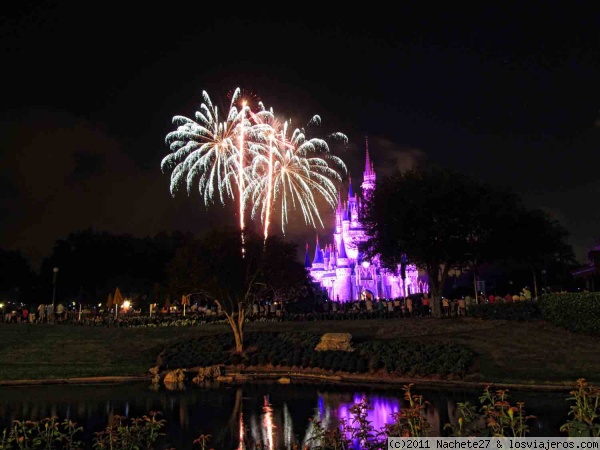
[1,305]
[99,304]
[366,264]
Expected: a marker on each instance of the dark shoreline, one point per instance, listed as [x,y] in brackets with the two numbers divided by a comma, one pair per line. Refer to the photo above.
[239,377]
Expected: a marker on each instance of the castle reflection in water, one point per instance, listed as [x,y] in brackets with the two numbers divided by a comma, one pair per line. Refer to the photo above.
[236,417]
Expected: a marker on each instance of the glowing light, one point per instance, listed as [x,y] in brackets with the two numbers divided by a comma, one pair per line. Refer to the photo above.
[242,432]
[268,426]
[241,175]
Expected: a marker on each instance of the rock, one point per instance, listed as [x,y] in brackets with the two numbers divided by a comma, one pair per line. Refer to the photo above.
[175,386]
[207,373]
[335,341]
[175,376]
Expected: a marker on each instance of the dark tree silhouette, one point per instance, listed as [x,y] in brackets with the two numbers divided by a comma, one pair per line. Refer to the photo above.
[440,219]
[214,268]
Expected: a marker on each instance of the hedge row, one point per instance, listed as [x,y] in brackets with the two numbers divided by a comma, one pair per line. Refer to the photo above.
[296,349]
[578,312]
[521,311]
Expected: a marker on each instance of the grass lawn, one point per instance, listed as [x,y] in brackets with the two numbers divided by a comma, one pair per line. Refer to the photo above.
[510,352]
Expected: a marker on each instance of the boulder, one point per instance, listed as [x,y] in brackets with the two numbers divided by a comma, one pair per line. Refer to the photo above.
[335,341]
[174,377]
[207,373]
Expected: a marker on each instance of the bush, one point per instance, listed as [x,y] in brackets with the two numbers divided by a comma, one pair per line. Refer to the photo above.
[521,311]
[577,312]
[400,357]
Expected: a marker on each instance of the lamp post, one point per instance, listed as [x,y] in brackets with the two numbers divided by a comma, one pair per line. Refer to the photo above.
[54,275]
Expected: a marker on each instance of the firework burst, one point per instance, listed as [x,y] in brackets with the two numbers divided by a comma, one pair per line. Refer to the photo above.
[291,172]
[254,156]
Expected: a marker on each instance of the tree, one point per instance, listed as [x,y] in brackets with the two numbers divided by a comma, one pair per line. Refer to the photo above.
[18,281]
[538,242]
[440,219]
[215,268]
[99,261]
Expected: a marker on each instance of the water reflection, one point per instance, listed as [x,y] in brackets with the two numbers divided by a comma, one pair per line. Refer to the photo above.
[275,415]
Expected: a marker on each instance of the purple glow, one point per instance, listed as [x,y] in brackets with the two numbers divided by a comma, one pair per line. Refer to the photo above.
[338,267]
[380,411]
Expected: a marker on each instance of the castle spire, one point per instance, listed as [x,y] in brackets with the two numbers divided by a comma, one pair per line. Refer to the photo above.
[368,184]
[368,165]
[350,193]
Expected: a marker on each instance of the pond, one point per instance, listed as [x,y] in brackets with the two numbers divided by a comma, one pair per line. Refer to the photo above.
[275,414]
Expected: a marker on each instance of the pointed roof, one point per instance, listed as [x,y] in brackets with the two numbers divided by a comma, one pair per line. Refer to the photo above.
[368,165]
[318,253]
[342,251]
[327,251]
[307,262]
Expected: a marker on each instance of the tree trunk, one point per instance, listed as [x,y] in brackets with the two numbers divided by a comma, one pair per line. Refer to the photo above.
[437,275]
[236,322]
[535,290]
[238,335]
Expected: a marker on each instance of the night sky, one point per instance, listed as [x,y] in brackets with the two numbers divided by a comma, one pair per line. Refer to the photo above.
[508,93]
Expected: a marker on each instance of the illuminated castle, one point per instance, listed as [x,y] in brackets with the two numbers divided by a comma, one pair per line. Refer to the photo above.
[341,270]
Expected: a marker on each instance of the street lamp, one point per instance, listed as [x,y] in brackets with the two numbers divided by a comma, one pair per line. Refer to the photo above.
[54,275]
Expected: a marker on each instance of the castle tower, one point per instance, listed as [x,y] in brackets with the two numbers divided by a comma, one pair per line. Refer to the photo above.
[343,272]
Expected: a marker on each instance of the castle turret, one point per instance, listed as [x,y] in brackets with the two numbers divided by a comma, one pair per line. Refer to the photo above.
[307,263]
[343,272]
[327,257]
[318,263]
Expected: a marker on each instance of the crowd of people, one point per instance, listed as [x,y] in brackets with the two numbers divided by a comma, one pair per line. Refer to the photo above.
[41,314]
[411,306]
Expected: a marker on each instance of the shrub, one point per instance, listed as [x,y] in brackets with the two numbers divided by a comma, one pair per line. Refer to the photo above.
[577,312]
[521,311]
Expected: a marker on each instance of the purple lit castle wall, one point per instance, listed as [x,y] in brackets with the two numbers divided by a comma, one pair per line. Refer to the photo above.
[340,269]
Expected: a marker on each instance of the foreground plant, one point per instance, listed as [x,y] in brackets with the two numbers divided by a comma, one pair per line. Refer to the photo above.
[585,411]
[361,430]
[322,438]
[410,421]
[130,434]
[45,434]
[497,418]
